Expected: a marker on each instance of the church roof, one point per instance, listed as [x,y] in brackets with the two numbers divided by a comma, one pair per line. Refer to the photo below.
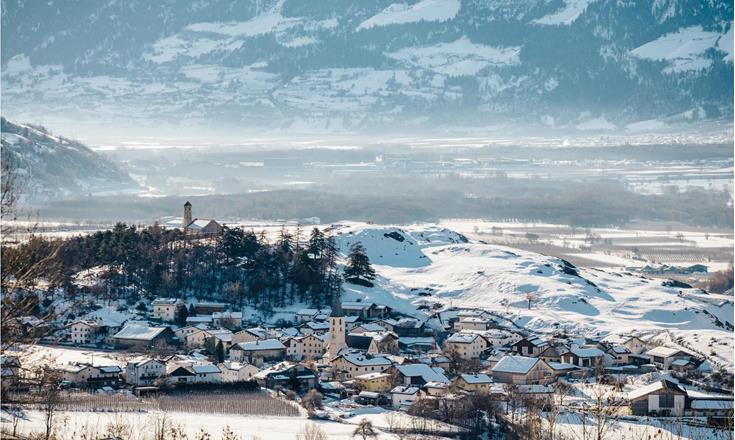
[336,307]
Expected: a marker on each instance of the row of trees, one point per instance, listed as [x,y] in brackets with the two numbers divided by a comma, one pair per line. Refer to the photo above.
[237,266]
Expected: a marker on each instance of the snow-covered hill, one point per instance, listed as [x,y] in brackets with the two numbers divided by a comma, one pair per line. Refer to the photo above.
[54,167]
[355,65]
[436,265]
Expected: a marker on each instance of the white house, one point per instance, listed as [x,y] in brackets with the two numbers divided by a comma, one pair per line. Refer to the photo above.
[144,371]
[471,323]
[350,365]
[166,309]
[310,346]
[207,373]
[660,398]
[635,344]
[662,357]
[237,371]
[258,351]
[87,332]
[466,345]
[403,397]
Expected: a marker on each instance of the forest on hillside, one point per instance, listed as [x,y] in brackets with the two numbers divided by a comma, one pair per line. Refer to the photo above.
[237,266]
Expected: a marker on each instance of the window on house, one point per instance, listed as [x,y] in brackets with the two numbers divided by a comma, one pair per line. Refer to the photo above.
[666,400]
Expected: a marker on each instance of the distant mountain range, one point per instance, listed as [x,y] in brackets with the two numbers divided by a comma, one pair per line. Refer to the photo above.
[351,65]
[52,167]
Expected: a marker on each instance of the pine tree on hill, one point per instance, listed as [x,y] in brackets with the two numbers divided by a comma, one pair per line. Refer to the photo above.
[359,270]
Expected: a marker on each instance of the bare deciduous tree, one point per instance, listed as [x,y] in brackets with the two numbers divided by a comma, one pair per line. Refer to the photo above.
[311,431]
[365,430]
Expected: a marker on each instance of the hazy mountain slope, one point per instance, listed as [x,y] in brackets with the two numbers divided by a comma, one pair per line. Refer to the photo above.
[434,265]
[54,167]
[351,65]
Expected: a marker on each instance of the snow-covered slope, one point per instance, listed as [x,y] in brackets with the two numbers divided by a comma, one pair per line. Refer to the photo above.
[436,265]
[53,167]
[351,65]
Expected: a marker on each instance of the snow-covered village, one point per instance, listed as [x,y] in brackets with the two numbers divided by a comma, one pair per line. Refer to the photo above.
[383,219]
[355,329]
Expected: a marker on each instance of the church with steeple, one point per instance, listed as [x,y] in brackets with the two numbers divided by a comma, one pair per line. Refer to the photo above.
[337,329]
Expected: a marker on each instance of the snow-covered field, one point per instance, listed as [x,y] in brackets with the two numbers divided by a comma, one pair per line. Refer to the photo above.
[73,424]
[594,302]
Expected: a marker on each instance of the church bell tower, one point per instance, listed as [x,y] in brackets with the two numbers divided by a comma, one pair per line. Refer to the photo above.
[187,215]
[337,329]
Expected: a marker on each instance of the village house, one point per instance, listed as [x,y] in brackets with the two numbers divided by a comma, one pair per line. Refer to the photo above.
[258,351]
[288,375]
[521,370]
[662,356]
[227,320]
[403,397]
[476,383]
[356,308]
[368,327]
[404,327]
[314,327]
[529,346]
[717,408]
[144,371]
[86,375]
[661,398]
[311,346]
[181,374]
[471,323]
[374,382]
[139,336]
[182,332]
[496,337]
[417,345]
[435,389]
[217,336]
[167,309]
[552,353]
[208,307]
[206,373]
[237,371]
[420,374]
[635,344]
[383,342]
[619,353]
[250,335]
[306,315]
[587,357]
[200,320]
[466,345]
[350,365]
[87,332]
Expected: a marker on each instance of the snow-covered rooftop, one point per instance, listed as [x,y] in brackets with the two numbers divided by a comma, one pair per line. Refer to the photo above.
[663,351]
[652,388]
[362,360]
[462,338]
[427,373]
[476,378]
[139,332]
[515,364]
[264,344]
[205,368]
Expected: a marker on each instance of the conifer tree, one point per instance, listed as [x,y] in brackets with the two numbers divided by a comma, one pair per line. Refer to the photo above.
[359,270]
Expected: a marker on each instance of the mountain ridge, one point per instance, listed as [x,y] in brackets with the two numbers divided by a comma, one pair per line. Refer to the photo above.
[54,167]
[352,66]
